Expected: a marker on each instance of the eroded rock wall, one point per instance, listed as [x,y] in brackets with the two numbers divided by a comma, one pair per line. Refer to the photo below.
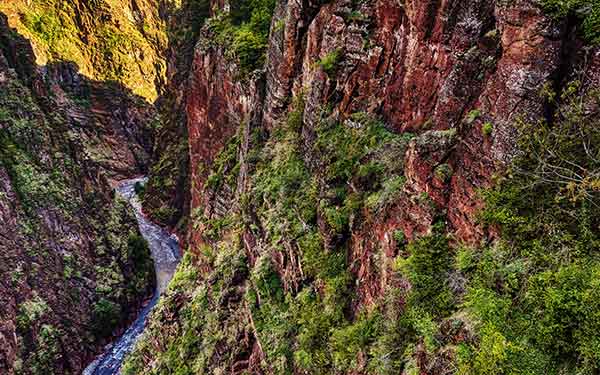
[122,41]
[421,66]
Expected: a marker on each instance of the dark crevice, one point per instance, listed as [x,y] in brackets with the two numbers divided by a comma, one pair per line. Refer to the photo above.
[430,17]
[569,55]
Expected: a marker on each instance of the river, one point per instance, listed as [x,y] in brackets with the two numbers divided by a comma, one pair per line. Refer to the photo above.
[166,255]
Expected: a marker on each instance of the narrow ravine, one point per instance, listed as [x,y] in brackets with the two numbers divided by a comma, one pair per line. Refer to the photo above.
[166,255]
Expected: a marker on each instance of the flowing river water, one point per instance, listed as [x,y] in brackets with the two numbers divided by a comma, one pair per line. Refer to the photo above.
[166,255]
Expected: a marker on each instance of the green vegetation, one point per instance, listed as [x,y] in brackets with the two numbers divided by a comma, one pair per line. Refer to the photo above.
[244,32]
[74,263]
[30,311]
[427,269]
[347,342]
[107,315]
[586,11]
[36,151]
[225,166]
[119,47]
[210,316]
[390,191]
[298,325]
[46,25]
[526,303]
[139,254]
[36,184]
[165,180]
[124,270]
[329,62]
[48,350]
[534,292]
[487,129]
[473,115]
[443,172]
[362,153]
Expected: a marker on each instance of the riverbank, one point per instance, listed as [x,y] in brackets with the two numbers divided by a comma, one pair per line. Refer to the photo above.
[165,251]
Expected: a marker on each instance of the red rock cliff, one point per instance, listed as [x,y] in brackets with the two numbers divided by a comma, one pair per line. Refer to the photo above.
[422,67]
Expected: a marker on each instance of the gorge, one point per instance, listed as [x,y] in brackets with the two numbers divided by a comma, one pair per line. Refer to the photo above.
[165,255]
[357,186]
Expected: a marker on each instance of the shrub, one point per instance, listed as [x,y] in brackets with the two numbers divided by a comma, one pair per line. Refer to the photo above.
[30,311]
[139,253]
[566,311]
[465,259]
[315,322]
[473,116]
[400,238]
[164,214]
[443,172]
[107,315]
[347,342]
[47,350]
[249,48]
[427,268]
[225,167]
[329,62]
[45,25]
[244,31]
[337,218]
[389,192]
[282,184]
[534,292]
[342,148]
[487,129]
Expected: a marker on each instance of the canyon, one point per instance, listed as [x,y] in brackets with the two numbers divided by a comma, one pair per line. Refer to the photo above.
[360,187]
[74,266]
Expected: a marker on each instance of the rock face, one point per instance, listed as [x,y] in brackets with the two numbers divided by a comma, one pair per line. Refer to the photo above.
[323,162]
[448,79]
[168,199]
[73,267]
[421,67]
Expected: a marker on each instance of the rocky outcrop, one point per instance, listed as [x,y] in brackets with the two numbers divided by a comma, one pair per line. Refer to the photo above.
[270,195]
[481,63]
[168,199]
[73,267]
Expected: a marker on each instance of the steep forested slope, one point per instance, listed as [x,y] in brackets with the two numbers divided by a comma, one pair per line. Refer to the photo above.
[114,40]
[73,267]
[388,187]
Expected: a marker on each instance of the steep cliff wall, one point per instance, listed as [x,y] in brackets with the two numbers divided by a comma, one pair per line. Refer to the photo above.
[73,267]
[167,199]
[338,191]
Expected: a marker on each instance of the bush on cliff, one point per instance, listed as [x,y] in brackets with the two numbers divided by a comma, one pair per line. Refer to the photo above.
[535,293]
[244,32]
[107,315]
[329,62]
